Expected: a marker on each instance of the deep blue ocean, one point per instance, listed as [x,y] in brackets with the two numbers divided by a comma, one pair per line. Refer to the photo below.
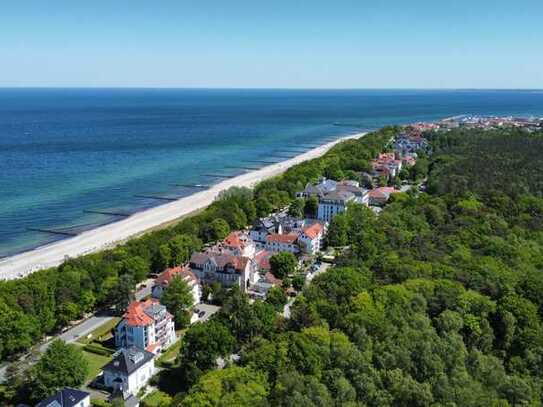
[64,151]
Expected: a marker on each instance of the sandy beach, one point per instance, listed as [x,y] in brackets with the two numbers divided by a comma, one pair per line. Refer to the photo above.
[107,236]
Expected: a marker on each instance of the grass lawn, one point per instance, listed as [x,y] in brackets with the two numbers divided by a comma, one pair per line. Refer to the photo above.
[169,356]
[96,362]
[102,330]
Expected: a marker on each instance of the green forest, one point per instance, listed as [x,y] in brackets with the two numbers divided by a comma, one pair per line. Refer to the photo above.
[437,301]
[46,301]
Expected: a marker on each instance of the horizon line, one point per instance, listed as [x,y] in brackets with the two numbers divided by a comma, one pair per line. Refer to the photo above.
[267,88]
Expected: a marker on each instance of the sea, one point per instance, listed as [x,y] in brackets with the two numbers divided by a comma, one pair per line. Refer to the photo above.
[74,159]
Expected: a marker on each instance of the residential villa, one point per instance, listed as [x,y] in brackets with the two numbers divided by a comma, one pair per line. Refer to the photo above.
[386,165]
[240,243]
[164,279]
[324,187]
[146,325]
[380,196]
[223,267]
[260,289]
[129,371]
[67,397]
[312,237]
[282,243]
[279,223]
[409,144]
[333,203]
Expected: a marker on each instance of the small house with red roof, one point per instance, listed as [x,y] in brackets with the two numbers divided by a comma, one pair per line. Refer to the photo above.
[311,238]
[164,279]
[146,325]
[240,244]
[380,196]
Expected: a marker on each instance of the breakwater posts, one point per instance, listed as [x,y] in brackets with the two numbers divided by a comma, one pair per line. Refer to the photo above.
[300,151]
[111,213]
[244,168]
[162,198]
[52,231]
[199,186]
[262,162]
[219,175]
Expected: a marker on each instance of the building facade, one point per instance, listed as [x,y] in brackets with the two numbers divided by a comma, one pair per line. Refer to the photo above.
[146,325]
[333,203]
[224,268]
[282,243]
[164,279]
[312,237]
[129,371]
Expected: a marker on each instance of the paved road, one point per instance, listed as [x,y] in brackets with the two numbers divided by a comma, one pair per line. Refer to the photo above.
[145,291]
[71,335]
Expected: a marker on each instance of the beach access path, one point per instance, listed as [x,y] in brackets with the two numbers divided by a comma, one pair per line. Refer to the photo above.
[108,236]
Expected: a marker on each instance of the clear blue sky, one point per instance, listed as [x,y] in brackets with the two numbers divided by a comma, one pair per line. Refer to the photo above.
[279,43]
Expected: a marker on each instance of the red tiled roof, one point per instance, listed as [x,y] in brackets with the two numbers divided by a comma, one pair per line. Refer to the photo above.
[289,238]
[166,276]
[382,192]
[135,314]
[262,258]
[234,240]
[270,278]
[314,230]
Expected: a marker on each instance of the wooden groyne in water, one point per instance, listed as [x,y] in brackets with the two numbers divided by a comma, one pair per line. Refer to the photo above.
[111,213]
[52,231]
[163,198]
[218,175]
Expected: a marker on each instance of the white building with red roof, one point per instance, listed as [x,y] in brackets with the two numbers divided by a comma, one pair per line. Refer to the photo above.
[224,267]
[240,244]
[146,325]
[276,242]
[164,279]
[311,238]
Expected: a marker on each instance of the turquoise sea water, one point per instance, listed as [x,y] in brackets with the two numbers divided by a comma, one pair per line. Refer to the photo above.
[64,151]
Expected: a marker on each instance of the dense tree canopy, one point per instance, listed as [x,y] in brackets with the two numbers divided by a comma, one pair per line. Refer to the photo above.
[178,300]
[61,365]
[283,264]
[438,301]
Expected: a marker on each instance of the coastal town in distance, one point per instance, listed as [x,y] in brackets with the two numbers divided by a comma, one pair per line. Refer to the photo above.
[132,340]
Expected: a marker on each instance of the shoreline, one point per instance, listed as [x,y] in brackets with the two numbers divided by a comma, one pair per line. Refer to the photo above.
[114,233]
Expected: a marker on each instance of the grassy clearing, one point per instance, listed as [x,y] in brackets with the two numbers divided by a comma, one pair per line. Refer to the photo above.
[96,363]
[168,357]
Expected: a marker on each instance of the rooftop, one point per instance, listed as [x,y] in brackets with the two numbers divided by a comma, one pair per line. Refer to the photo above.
[127,361]
[67,397]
